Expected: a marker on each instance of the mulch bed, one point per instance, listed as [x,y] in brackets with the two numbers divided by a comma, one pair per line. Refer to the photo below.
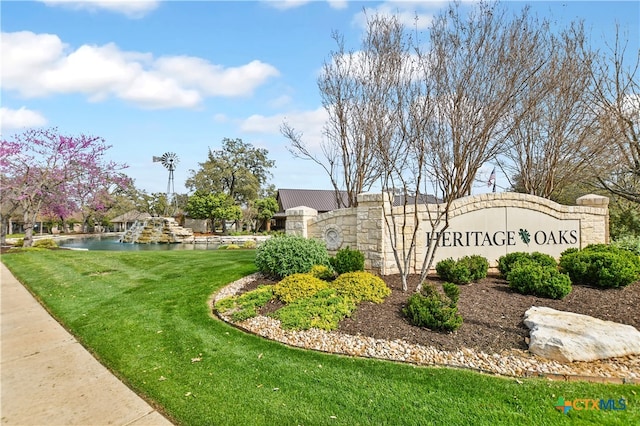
[491,311]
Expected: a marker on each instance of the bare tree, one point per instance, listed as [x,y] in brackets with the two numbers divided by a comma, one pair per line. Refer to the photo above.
[616,99]
[477,68]
[553,140]
[346,84]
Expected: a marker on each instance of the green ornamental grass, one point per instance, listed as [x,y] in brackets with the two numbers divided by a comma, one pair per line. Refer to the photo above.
[145,315]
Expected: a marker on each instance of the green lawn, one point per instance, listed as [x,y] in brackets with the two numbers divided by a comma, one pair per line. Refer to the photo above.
[145,316]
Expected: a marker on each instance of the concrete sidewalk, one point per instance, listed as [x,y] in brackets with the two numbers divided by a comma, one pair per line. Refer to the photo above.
[48,378]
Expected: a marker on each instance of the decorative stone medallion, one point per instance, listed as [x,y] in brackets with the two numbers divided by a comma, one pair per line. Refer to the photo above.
[333,237]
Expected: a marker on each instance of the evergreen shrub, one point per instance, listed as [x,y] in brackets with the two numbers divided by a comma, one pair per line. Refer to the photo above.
[506,262]
[433,310]
[601,265]
[298,286]
[324,310]
[530,277]
[45,243]
[347,260]
[463,270]
[322,272]
[360,286]
[284,255]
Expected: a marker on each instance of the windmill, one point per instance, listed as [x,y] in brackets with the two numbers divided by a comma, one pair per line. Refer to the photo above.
[169,160]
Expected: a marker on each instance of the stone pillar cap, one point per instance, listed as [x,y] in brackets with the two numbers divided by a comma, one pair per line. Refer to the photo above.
[593,200]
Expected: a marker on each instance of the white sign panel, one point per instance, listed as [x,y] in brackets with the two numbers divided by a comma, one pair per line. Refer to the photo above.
[494,232]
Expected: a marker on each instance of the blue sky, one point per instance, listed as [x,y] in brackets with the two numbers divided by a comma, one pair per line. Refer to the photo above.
[177,76]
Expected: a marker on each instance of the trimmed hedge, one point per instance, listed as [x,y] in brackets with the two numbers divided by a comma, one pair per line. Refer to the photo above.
[506,262]
[463,270]
[527,276]
[601,265]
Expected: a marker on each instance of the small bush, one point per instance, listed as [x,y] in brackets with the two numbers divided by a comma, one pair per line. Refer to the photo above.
[530,277]
[324,310]
[601,265]
[249,244]
[506,262]
[322,272]
[233,247]
[361,286]
[464,270]
[298,286]
[433,310]
[287,254]
[19,242]
[246,305]
[45,243]
[347,260]
[628,242]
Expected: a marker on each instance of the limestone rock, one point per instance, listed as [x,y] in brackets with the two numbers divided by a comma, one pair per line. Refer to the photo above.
[565,336]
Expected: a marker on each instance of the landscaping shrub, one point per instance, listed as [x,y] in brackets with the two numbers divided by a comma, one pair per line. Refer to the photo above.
[249,244]
[246,305]
[361,286]
[324,310]
[322,272]
[287,254]
[45,243]
[232,247]
[527,276]
[298,286]
[628,242]
[433,310]
[347,260]
[601,265]
[464,270]
[506,262]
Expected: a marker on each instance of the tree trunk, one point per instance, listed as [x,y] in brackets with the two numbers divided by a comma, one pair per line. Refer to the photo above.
[4,228]
[29,220]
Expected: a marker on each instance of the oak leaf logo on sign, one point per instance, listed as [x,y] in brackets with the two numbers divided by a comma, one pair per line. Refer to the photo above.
[524,236]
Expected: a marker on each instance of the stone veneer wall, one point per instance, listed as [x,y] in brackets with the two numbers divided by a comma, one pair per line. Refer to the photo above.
[364,227]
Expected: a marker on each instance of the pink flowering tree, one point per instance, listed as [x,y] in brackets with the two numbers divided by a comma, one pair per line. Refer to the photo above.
[41,170]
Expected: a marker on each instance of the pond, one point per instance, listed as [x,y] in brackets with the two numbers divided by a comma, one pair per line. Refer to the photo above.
[112,243]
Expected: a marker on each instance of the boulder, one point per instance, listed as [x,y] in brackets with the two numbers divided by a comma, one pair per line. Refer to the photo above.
[566,337]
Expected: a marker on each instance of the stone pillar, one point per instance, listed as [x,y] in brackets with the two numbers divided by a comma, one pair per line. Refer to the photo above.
[370,230]
[298,219]
[598,202]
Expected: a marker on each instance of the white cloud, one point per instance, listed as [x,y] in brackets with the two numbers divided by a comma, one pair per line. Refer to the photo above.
[214,80]
[286,4]
[309,123]
[338,4]
[412,14]
[36,65]
[129,8]
[292,4]
[11,119]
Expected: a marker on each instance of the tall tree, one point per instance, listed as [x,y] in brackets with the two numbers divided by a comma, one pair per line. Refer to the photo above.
[553,140]
[238,170]
[214,207]
[38,163]
[265,209]
[616,101]
[428,114]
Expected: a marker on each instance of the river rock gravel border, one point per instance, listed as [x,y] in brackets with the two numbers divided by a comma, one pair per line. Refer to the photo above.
[512,363]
